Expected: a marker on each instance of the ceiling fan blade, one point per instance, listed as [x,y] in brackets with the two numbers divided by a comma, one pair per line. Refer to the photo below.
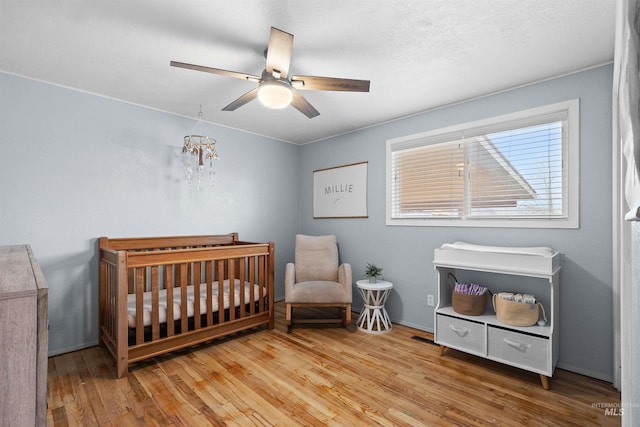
[329,83]
[279,52]
[302,105]
[215,71]
[247,97]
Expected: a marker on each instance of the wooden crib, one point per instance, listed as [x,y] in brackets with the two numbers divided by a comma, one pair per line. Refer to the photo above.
[159,294]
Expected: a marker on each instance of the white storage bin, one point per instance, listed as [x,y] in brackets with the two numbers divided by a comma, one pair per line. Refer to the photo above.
[520,350]
[461,334]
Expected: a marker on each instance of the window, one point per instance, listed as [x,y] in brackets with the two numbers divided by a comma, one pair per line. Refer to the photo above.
[517,170]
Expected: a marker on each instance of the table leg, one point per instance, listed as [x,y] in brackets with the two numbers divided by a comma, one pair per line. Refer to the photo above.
[545,381]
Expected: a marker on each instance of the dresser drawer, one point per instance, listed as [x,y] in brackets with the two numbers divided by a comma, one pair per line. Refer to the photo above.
[520,350]
[461,334]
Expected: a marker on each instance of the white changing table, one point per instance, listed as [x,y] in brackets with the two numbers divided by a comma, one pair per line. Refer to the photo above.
[534,348]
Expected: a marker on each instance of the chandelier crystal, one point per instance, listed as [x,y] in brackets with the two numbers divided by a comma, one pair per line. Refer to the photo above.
[198,154]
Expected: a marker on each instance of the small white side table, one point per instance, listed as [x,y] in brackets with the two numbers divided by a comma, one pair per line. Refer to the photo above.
[373,318]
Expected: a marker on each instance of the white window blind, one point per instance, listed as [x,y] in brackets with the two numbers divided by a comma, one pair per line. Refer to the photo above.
[513,167]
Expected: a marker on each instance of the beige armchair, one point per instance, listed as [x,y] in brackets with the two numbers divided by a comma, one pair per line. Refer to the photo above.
[316,279]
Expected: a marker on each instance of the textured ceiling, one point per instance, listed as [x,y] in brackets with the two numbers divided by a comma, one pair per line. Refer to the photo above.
[418,55]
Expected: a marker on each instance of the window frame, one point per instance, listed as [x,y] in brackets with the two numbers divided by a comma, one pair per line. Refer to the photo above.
[571,155]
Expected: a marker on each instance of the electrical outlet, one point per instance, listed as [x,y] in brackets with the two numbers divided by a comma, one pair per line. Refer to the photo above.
[430,302]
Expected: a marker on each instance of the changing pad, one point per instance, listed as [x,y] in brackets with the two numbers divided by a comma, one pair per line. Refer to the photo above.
[162,301]
[527,261]
[538,250]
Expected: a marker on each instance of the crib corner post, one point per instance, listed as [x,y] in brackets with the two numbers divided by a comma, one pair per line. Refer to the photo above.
[102,299]
[103,242]
[102,283]
[122,344]
[122,367]
[271,289]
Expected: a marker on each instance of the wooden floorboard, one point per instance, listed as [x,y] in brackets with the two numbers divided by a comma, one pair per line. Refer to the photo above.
[318,375]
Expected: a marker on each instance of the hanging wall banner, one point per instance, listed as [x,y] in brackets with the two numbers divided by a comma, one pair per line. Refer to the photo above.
[340,192]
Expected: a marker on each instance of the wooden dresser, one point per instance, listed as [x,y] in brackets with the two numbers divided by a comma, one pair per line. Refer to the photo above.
[23,338]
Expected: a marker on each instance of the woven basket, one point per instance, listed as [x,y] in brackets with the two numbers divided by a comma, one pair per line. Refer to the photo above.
[515,313]
[469,305]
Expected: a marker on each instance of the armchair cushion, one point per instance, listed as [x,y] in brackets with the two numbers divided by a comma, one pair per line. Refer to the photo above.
[316,258]
[317,291]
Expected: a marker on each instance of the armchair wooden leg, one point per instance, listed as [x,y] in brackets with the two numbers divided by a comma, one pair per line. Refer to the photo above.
[288,310]
[347,319]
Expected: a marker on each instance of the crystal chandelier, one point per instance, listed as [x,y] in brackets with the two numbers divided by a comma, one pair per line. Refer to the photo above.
[198,154]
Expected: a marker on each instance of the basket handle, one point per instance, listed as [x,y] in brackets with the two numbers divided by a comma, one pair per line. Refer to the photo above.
[450,277]
[544,314]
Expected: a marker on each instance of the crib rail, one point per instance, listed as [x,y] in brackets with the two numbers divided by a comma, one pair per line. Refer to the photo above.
[166,242]
[235,281]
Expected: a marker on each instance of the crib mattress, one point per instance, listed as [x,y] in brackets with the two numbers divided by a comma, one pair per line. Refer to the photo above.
[191,301]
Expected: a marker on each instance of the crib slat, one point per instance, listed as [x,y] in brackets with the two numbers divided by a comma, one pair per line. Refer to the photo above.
[220,277]
[241,267]
[131,280]
[155,305]
[110,301]
[232,289]
[197,279]
[184,319]
[169,280]
[140,273]
[105,300]
[262,282]
[252,281]
[209,280]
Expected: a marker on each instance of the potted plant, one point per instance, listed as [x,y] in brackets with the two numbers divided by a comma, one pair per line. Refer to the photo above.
[372,272]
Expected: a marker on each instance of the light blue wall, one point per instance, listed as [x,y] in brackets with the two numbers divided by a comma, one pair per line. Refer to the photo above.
[406,253]
[74,167]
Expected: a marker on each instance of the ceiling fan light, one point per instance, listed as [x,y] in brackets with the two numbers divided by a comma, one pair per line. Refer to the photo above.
[275,94]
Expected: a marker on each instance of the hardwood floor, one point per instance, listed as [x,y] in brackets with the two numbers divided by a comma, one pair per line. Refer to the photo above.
[317,375]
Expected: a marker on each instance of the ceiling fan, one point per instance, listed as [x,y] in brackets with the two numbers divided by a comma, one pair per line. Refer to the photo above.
[276,89]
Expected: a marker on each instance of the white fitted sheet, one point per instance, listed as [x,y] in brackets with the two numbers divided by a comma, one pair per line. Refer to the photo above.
[162,301]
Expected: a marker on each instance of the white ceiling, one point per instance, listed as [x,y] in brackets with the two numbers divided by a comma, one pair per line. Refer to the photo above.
[418,54]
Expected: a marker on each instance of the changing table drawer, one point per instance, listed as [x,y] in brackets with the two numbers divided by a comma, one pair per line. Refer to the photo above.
[461,334]
[521,350]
